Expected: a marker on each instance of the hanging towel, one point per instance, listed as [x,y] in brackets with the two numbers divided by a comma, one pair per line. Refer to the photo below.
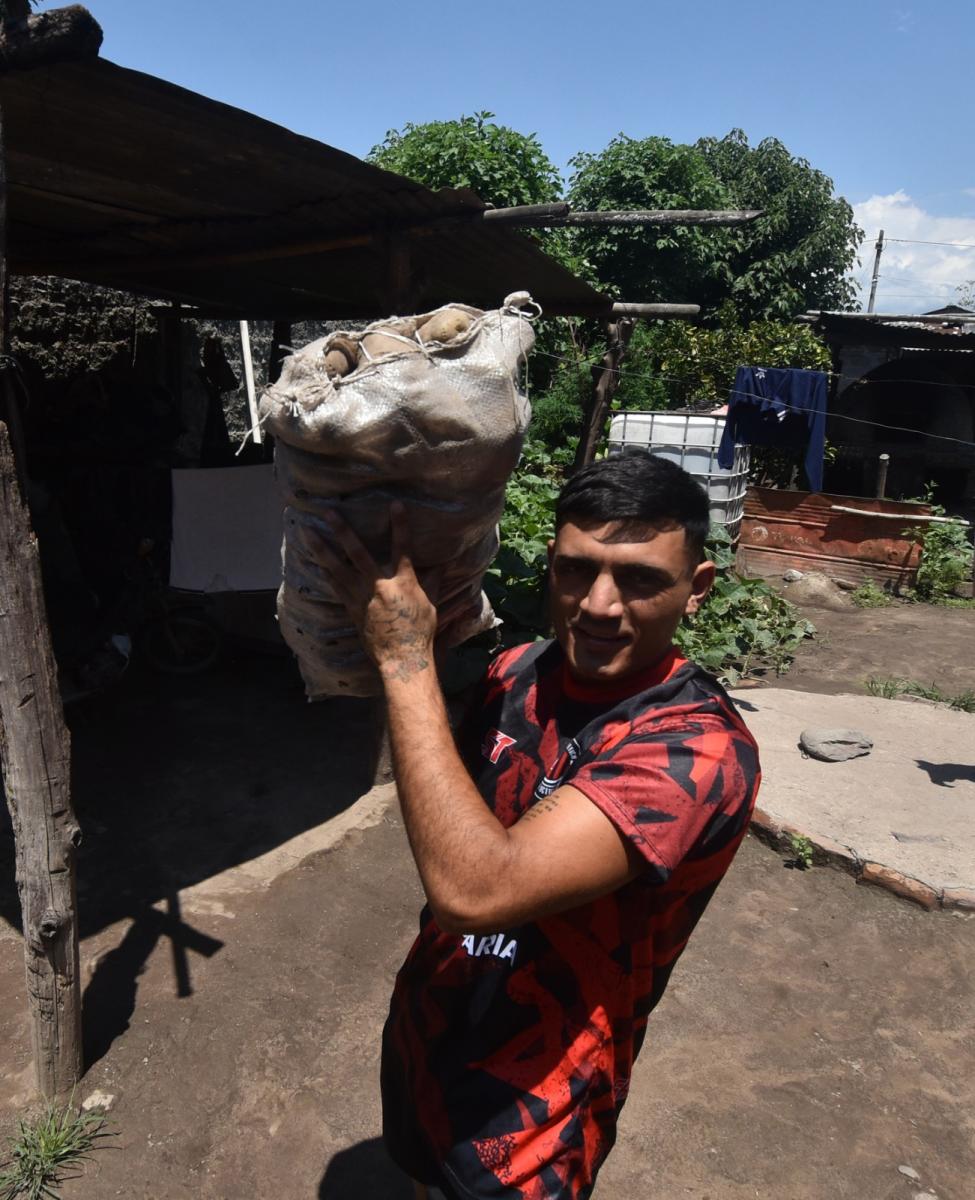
[775,406]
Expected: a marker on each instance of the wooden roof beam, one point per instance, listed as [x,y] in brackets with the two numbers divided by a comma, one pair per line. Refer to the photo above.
[526,217]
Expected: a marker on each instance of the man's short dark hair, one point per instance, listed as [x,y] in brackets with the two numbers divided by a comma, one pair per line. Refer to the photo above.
[638,489]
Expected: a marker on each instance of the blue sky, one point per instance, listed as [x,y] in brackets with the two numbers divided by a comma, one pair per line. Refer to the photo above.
[877,95]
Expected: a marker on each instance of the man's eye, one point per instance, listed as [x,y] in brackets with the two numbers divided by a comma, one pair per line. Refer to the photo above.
[573,570]
[642,585]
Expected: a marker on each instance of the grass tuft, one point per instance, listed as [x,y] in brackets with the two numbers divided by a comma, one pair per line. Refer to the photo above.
[890,689]
[48,1150]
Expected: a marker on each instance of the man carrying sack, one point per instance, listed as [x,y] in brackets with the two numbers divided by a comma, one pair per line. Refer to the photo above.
[567,841]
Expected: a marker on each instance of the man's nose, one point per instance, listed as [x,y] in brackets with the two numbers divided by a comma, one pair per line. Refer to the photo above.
[602,601]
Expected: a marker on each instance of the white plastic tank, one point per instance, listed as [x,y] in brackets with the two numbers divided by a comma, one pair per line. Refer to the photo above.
[690,441]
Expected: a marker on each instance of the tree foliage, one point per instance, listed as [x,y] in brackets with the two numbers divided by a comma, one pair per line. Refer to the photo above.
[796,256]
[682,364]
[503,166]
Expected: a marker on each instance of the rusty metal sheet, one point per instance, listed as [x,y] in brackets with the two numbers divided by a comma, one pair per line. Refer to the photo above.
[783,530]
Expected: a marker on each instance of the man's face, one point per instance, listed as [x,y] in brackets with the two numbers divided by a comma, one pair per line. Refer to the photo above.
[618,593]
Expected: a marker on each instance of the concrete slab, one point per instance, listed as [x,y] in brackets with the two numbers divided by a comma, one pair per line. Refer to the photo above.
[908,805]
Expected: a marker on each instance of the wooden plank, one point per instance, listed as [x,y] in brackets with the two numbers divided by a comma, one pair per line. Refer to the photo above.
[35,750]
[523,214]
[606,380]
[635,217]
[651,311]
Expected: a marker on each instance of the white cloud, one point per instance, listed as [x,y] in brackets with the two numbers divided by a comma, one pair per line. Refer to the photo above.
[913,276]
[904,20]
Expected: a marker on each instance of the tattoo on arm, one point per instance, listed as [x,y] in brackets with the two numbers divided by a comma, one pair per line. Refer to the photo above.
[547,804]
[409,667]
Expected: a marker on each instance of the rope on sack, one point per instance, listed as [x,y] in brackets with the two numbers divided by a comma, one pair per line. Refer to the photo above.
[515,305]
[252,431]
[399,337]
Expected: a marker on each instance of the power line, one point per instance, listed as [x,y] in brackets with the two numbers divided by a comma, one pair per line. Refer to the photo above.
[586,362]
[921,242]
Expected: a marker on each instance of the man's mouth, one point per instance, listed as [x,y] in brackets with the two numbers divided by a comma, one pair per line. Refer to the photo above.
[599,641]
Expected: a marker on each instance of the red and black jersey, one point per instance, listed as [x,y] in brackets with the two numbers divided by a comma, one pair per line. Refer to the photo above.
[507,1056]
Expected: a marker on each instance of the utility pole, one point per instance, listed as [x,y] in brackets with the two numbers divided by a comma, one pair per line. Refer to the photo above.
[876,272]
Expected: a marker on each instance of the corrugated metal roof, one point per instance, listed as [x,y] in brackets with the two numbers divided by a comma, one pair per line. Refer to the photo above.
[119,178]
[953,331]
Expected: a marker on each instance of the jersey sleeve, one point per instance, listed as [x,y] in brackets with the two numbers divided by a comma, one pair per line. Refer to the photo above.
[675,790]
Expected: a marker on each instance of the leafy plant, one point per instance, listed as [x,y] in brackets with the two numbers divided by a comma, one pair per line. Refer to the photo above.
[46,1150]
[743,625]
[868,595]
[515,582]
[946,557]
[892,688]
[802,851]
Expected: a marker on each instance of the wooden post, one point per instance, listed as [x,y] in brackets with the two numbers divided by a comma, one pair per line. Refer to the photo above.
[400,282]
[35,749]
[35,754]
[606,380]
[245,353]
[280,348]
[879,248]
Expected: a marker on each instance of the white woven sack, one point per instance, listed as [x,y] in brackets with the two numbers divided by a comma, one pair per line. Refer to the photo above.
[439,428]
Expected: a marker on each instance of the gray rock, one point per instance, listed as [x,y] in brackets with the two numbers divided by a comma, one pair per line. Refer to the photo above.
[834,745]
[909,1172]
[792,576]
[818,591]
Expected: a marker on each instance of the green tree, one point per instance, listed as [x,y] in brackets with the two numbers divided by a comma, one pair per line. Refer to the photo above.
[502,166]
[796,256]
[681,264]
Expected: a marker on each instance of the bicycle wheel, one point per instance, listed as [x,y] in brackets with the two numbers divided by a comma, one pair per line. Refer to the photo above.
[181,643]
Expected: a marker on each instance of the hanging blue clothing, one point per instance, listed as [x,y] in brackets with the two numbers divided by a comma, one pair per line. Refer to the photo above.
[776,406]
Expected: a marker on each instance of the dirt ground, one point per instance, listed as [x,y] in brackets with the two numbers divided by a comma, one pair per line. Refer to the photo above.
[816,1037]
[920,642]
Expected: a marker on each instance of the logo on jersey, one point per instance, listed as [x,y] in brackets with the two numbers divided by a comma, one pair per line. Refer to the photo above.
[550,782]
[495,744]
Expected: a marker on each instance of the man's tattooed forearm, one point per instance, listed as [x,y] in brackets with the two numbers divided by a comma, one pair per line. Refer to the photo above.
[407,668]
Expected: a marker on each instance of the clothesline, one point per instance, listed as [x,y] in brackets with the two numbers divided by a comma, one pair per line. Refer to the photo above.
[754,395]
[592,362]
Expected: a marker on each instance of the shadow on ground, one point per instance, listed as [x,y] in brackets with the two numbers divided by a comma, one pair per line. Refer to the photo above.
[947,774]
[176,779]
[364,1170]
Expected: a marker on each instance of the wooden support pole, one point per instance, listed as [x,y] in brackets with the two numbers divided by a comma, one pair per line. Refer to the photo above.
[524,214]
[245,354]
[655,311]
[640,217]
[280,348]
[35,757]
[399,294]
[35,750]
[606,380]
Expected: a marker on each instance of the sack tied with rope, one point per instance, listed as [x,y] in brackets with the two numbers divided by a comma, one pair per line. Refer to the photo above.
[424,409]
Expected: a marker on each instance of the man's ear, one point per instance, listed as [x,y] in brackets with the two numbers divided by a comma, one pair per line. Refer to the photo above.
[551,550]
[701,583]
